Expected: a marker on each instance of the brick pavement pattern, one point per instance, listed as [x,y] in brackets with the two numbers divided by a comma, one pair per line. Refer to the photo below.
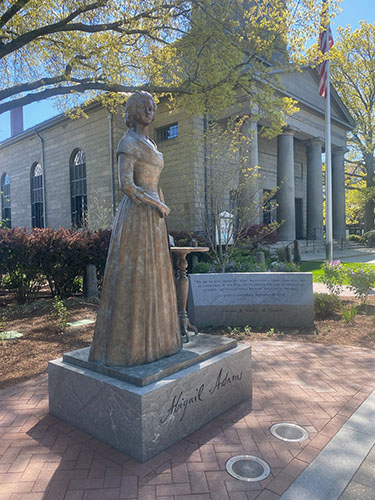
[316,386]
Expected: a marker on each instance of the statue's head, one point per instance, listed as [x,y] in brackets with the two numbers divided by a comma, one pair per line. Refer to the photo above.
[132,105]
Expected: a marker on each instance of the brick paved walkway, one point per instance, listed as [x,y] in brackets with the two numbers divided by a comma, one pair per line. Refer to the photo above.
[316,386]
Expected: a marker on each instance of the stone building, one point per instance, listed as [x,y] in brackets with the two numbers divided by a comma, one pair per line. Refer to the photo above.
[63,172]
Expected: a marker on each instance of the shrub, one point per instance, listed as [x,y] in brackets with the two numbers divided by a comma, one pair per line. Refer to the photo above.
[19,263]
[283,267]
[326,305]
[281,254]
[202,267]
[184,239]
[259,233]
[361,281]
[97,246]
[266,251]
[62,257]
[355,237]
[244,264]
[333,276]
[59,257]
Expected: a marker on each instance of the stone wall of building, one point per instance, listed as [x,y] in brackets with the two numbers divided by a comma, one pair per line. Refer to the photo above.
[60,141]
[17,160]
[181,155]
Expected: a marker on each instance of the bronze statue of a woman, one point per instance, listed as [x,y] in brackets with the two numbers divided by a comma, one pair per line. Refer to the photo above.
[137,320]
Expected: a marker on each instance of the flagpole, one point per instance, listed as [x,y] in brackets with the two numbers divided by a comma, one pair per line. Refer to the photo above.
[329,231]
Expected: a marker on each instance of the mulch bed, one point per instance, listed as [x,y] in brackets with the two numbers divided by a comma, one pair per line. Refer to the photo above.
[43,340]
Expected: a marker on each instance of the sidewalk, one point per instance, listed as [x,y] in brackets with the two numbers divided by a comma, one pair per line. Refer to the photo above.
[317,386]
[359,254]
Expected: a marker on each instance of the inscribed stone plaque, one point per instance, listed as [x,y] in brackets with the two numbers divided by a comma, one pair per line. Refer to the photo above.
[254,299]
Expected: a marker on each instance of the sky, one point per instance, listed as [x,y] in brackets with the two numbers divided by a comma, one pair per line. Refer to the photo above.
[352,12]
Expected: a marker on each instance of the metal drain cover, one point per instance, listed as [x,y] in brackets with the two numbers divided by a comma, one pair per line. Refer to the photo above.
[248,468]
[289,432]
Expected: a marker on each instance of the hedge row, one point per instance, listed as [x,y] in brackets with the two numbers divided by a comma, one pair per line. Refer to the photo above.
[29,259]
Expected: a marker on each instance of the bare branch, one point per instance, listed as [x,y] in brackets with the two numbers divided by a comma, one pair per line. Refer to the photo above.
[83,87]
[24,87]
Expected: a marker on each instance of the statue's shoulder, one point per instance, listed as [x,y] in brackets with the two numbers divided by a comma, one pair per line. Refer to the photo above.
[128,144]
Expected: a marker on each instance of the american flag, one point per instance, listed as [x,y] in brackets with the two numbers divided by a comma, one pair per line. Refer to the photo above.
[325,43]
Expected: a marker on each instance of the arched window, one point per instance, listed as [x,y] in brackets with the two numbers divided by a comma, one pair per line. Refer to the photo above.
[5,200]
[37,196]
[78,193]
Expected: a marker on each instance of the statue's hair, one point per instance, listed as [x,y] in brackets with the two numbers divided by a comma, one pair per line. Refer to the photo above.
[131,106]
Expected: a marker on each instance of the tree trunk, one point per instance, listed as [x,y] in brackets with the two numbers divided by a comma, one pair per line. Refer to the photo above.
[369,205]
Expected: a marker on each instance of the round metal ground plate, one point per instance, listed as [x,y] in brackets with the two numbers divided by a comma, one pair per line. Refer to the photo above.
[289,432]
[248,468]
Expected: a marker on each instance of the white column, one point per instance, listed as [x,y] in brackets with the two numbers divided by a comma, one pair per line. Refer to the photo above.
[338,193]
[314,190]
[286,215]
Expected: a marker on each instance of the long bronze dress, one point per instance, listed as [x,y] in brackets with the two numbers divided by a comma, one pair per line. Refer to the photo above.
[137,320]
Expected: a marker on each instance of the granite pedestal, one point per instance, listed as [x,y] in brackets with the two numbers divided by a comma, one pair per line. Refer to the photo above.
[143,420]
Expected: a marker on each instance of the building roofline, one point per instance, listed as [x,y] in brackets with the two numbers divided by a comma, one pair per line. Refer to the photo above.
[337,99]
[51,122]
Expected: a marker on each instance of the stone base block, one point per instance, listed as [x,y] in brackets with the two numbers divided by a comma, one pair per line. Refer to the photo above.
[143,421]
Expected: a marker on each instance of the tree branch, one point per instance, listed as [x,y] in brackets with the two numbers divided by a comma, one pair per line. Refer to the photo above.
[28,37]
[357,176]
[64,26]
[24,87]
[82,87]
[7,16]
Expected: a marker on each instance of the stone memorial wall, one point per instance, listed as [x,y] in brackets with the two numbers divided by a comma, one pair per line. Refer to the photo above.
[255,299]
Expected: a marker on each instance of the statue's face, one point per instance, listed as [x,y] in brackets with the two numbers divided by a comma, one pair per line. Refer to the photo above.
[145,111]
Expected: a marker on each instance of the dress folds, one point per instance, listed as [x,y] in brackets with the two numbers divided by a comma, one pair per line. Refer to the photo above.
[137,320]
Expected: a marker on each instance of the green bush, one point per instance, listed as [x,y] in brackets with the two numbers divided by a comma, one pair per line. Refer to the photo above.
[284,267]
[361,281]
[355,237]
[202,267]
[334,275]
[244,264]
[326,305]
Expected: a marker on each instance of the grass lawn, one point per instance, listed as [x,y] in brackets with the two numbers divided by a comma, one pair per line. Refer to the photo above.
[314,268]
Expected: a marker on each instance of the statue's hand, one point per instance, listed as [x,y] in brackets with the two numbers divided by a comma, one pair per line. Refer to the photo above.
[164,210]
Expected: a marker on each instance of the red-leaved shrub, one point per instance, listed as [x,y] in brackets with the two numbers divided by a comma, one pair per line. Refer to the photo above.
[19,264]
[259,233]
[27,259]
